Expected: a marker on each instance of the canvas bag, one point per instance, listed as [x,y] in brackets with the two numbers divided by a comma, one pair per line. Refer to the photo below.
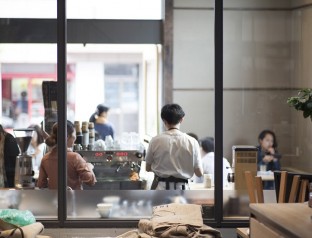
[28,231]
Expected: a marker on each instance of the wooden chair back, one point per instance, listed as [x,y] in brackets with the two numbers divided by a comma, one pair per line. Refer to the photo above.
[255,188]
[254,184]
[296,194]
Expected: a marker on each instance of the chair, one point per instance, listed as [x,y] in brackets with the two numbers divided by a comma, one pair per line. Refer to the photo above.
[258,187]
[252,185]
[294,195]
[255,184]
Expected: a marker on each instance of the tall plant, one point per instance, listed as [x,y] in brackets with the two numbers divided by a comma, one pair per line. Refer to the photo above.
[302,102]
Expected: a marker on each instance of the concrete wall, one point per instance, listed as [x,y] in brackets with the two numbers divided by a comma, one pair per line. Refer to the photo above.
[267,56]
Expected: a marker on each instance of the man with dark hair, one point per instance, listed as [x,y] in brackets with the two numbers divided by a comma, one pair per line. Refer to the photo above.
[173,155]
[207,152]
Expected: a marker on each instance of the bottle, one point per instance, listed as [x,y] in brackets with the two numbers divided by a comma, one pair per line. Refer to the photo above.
[85,135]
[310,195]
[78,140]
[91,136]
[207,180]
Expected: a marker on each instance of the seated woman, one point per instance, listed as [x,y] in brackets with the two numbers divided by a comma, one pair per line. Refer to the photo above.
[78,170]
[268,155]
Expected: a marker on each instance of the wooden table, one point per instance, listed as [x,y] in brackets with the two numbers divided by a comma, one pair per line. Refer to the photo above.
[266,176]
[281,219]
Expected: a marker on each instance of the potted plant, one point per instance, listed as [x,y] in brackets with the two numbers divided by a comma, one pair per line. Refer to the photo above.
[302,102]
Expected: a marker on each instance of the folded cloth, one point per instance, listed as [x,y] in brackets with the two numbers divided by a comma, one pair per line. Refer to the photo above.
[174,221]
[146,227]
[130,234]
[176,213]
[190,232]
[28,231]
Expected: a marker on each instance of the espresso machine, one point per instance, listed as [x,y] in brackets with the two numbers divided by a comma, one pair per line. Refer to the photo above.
[23,167]
[113,168]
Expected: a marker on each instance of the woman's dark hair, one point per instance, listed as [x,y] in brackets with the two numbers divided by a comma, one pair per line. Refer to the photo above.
[99,109]
[172,113]
[207,144]
[264,133]
[2,131]
[37,129]
[52,139]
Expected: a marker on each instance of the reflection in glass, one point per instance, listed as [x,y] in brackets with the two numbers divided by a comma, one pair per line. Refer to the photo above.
[133,204]
[42,203]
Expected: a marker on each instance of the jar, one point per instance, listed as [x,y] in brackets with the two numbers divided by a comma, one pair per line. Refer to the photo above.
[207,180]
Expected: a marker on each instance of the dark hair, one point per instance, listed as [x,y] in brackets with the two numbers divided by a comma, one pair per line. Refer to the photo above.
[52,139]
[24,94]
[264,133]
[2,131]
[37,129]
[207,144]
[172,113]
[99,110]
[193,135]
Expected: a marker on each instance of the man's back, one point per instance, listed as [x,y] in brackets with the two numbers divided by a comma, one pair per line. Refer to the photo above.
[173,153]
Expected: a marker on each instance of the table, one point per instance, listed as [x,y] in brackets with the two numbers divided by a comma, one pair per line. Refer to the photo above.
[266,175]
[280,219]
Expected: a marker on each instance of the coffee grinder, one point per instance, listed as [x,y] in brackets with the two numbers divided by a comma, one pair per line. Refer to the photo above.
[23,167]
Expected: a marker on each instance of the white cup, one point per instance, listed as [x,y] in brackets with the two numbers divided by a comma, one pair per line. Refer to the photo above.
[263,168]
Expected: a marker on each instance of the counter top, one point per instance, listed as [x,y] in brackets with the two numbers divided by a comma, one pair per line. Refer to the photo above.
[201,186]
[287,219]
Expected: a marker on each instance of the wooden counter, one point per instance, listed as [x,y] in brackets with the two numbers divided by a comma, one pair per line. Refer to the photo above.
[280,219]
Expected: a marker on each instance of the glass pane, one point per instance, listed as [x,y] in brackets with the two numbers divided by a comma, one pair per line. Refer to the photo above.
[114,76]
[23,69]
[193,86]
[82,9]
[23,106]
[130,204]
[41,203]
[264,64]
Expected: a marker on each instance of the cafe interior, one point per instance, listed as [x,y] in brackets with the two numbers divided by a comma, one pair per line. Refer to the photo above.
[231,64]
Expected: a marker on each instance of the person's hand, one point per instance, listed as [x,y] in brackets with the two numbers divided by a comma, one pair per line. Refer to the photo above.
[271,151]
[267,158]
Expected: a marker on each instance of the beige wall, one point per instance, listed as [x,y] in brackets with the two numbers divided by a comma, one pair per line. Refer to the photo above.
[267,55]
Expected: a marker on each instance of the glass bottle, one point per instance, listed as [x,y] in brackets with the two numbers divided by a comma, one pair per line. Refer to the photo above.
[78,140]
